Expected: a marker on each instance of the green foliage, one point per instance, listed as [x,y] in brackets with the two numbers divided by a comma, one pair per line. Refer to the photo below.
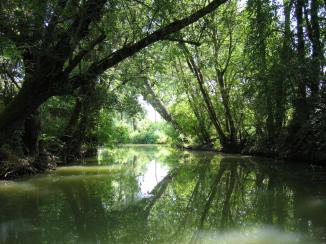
[174,138]
[150,133]
[55,115]
[238,74]
[109,132]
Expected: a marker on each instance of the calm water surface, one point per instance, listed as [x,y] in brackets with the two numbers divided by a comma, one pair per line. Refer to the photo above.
[151,194]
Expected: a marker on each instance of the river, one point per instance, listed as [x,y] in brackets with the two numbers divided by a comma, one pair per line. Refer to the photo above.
[155,194]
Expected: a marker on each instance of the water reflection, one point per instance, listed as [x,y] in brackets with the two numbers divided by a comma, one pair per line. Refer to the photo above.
[153,175]
[158,195]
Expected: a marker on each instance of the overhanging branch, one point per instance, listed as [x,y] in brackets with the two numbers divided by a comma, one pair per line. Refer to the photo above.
[99,67]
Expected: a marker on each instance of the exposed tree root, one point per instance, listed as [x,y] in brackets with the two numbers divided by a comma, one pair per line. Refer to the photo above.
[13,167]
[14,170]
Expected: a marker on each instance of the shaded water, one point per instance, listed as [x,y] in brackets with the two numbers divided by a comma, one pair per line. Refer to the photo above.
[150,194]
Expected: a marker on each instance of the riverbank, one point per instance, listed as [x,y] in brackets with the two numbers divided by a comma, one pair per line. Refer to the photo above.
[305,156]
[14,167]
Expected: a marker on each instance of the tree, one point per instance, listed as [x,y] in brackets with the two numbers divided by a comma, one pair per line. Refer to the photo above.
[56,40]
[213,67]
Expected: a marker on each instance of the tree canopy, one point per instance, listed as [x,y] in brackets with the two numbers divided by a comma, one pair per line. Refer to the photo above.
[244,76]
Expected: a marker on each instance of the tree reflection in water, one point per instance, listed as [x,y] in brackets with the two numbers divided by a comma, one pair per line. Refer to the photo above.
[194,197]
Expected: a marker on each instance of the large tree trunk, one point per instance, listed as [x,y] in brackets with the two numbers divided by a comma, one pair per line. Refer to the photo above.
[23,105]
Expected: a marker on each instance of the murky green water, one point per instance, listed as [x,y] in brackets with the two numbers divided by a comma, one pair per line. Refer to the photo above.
[157,195]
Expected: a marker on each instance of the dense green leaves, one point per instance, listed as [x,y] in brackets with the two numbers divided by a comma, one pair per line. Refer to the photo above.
[247,77]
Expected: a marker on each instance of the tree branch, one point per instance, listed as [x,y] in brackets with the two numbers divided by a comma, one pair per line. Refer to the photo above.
[76,60]
[98,68]
[90,12]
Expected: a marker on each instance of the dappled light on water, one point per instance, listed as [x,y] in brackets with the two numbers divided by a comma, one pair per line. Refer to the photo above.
[87,170]
[153,194]
[15,187]
[267,235]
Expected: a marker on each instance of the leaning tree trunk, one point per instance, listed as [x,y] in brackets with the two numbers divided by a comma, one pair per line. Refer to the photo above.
[202,128]
[201,125]
[150,96]
[227,111]
[227,145]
